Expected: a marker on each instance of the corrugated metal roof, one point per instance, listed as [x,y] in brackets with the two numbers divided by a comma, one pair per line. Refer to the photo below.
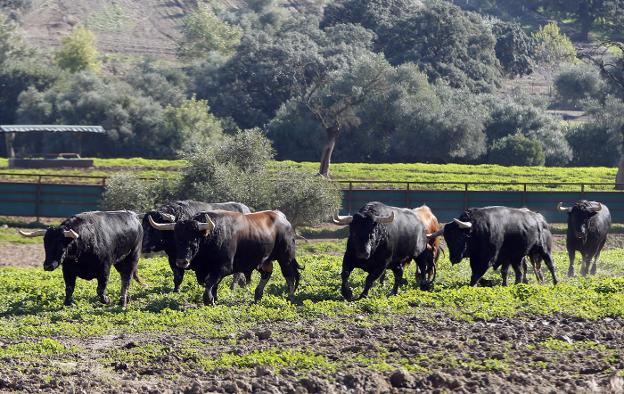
[50,128]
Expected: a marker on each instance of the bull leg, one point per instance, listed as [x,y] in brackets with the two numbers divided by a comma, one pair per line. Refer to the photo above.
[178,274]
[596,257]
[536,261]
[398,279]
[264,278]
[211,280]
[586,260]
[525,270]
[551,266]
[370,280]
[382,278]
[70,285]
[238,279]
[345,290]
[505,273]
[518,271]
[101,287]
[215,290]
[571,256]
[478,270]
[126,277]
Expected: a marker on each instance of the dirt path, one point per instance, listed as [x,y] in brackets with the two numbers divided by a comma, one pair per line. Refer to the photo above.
[403,354]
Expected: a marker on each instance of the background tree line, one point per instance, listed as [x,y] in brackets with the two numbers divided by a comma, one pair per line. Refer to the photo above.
[363,80]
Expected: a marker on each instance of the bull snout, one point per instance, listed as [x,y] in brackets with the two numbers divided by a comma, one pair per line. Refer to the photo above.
[183,263]
[365,255]
[50,266]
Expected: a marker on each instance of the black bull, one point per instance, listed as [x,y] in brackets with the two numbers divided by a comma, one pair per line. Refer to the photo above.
[381,237]
[499,236]
[87,244]
[219,243]
[588,225]
[155,241]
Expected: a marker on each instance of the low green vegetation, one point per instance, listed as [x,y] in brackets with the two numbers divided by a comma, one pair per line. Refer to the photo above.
[389,175]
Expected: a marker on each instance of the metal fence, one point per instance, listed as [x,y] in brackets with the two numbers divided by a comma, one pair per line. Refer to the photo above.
[49,195]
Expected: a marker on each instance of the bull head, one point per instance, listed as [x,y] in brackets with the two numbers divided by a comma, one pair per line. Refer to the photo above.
[36,233]
[561,208]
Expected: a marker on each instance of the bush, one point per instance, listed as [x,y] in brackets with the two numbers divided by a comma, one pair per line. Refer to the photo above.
[593,145]
[126,191]
[237,170]
[78,51]
[553,47]
[517,150]
[578,83]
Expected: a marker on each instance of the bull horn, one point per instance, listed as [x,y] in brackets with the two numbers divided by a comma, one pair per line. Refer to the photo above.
[598,208]
[168,217]
[341,220]
[208,226]
[385,220]
[463,224]
[70,234]
[561,208]
[161,226]
[36,233]
[436,234]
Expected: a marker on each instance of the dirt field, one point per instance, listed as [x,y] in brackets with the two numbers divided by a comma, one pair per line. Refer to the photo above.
[543,355]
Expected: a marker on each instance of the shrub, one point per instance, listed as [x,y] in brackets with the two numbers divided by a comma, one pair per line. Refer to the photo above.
[517,150]
[78,51]
[237,170]
[593,145]
[553,47]
[126,191]
[577,83]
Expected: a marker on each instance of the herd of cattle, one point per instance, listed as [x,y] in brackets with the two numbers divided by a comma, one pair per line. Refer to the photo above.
[220,239]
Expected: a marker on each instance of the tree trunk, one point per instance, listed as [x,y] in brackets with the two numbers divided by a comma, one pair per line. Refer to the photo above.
[332,136]
[619,177]
[586,17]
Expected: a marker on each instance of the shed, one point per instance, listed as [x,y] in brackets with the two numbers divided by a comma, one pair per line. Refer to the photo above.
[65,159]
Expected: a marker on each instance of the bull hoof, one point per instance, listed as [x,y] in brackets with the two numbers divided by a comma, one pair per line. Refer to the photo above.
[105,300]
[347,294]
[68,301]
[391,293]
[571,274]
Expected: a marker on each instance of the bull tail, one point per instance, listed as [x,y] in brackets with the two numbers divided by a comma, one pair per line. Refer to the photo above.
[135,276]
[296,268]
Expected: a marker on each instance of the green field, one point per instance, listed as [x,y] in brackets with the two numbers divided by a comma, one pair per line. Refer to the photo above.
[389,174]
[173,336]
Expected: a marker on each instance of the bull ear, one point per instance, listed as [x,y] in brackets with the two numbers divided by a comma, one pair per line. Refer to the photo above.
[71,234]
[464,225]
[36,233]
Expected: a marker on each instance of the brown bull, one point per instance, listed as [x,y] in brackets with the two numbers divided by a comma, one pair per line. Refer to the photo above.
[427,261]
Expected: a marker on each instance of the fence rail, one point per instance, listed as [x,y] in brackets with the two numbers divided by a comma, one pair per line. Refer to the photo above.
[51,195]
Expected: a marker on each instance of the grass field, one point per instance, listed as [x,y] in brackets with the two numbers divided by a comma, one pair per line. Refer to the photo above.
[165,338]
[387,173]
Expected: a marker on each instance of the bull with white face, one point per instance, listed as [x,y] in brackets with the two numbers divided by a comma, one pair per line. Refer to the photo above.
[588,225]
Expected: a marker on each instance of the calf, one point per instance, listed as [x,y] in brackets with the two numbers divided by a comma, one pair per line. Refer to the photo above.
[88,244]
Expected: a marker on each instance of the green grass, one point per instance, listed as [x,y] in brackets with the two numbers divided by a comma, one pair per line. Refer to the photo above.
[390,174]
[35,325]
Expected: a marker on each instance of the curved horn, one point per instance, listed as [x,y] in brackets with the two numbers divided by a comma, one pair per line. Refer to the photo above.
[36,233]
[385,220]
[341,220]
[436,234]
[71,234]
[209,226]
[161,226]
[561,208]
[596,208]
[168,217]
[462,224]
